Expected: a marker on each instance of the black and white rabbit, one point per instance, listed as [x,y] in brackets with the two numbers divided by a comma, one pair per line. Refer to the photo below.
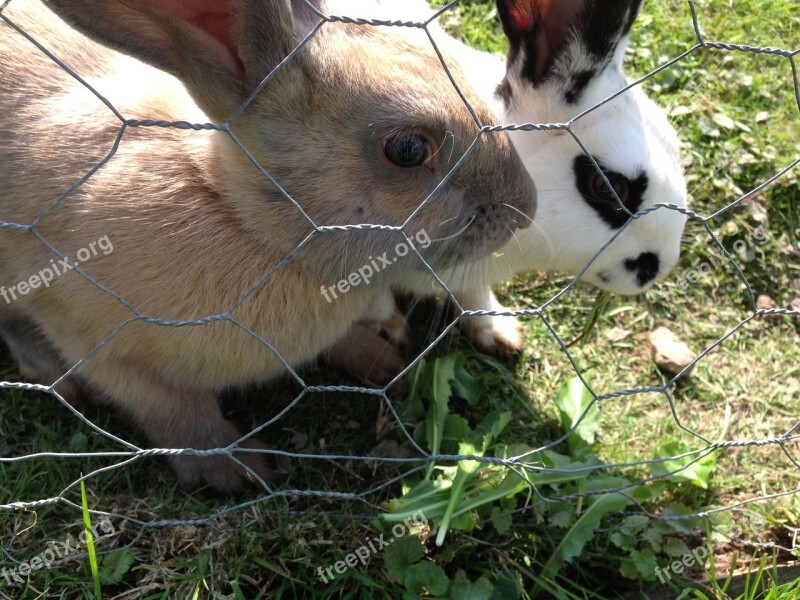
[565,58]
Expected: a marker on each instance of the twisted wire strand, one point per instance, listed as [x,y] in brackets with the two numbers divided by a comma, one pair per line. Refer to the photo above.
[522,466]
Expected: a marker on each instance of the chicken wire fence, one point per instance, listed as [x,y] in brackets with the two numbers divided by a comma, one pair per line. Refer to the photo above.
[523,465]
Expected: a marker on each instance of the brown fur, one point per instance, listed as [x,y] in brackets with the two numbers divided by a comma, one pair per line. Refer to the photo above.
[194,225]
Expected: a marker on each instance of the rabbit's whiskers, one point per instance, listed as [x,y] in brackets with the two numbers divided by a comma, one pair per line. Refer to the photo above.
[515,209]
[516,239]
[457,233]
[443,142]
[545,236]
[451,219]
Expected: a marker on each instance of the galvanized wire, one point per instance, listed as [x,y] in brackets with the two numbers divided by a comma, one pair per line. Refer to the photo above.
[523,464]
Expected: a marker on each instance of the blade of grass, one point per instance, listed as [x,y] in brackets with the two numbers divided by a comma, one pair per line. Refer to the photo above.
[87,529]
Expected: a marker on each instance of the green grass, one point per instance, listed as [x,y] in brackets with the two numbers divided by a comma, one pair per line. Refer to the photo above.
[739,122]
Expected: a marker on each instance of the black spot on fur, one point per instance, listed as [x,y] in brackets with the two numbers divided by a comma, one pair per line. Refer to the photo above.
[636,5]
[606,25]
[610,212]
[645,267]
[578,85]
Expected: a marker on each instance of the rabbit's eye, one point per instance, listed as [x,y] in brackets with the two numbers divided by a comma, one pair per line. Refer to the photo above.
[602,193]
[600,197]
[407,152]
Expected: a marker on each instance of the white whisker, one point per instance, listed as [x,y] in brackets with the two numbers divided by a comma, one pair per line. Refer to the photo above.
[451,219]
[457,233]
[515,209]
[550,249]
[516,239]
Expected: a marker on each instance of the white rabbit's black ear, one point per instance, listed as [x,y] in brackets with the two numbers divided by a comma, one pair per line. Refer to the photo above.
[221,49]
[567,39]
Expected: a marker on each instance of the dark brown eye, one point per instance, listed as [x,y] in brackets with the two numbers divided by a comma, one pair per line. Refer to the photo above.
[407,152]
[602,193]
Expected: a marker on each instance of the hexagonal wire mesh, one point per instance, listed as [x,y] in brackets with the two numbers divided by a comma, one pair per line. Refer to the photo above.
[517,464]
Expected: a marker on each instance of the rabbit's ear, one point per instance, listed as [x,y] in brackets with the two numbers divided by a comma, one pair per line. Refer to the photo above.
[565,38]
[221,49]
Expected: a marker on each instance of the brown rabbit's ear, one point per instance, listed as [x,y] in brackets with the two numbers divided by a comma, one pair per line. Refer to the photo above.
[221,49]
[574,35]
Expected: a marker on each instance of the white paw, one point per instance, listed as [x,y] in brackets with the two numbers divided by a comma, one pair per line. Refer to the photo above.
[498,336]
[384,318]
[394,327]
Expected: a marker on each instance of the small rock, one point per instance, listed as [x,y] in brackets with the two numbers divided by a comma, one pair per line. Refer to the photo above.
[764,302]
[301,444]
[757,205]
[671,354]
[724,121]
[617,334]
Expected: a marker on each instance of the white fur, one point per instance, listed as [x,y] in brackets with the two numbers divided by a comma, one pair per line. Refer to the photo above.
[629,134]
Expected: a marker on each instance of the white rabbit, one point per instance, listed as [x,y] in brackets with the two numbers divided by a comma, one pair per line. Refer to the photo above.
[360,126]
[564,58]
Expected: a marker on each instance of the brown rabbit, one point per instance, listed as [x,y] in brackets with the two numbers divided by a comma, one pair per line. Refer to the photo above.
[185,224]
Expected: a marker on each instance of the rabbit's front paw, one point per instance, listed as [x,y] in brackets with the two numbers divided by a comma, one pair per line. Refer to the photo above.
[175,419]
[393,326]
[222,473]
[367,356]
[385,319]
[499,336]
[38,360]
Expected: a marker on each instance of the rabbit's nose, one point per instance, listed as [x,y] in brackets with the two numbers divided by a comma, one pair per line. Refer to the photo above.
[645,267]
